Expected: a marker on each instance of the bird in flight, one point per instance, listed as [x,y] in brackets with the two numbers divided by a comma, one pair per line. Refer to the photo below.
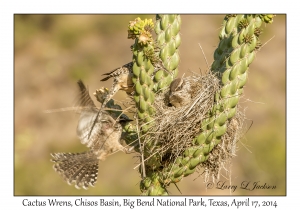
[102,141]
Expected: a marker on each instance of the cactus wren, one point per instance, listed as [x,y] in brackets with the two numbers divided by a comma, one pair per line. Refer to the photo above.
[122,81]
[179,94]
[82,168]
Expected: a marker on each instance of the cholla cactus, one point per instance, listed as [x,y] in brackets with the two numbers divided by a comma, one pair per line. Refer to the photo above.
[155,66]
[167,28]
[145,60]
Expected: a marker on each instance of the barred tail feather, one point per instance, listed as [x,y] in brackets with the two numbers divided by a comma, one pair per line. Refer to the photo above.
[80,168]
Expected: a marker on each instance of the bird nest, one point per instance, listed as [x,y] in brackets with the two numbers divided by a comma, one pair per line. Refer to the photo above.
[176,128]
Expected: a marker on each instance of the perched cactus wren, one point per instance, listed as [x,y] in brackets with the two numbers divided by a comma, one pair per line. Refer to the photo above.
[179,94]
[122,81]
[82,168]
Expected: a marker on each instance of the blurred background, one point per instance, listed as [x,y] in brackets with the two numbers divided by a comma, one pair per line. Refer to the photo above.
[53,51]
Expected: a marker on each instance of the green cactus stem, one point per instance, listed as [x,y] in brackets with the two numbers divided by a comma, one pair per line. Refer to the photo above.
[144,59]
[151,185]
[167,28]
[140,31]
[166,69]
[236,51]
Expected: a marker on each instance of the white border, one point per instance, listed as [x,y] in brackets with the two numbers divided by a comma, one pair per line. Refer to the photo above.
[8,8]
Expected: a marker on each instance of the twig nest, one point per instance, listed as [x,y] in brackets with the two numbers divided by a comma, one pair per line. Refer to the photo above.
[180,110]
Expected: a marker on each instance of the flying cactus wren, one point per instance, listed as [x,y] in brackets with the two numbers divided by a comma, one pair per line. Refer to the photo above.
[179,94]
[82,168]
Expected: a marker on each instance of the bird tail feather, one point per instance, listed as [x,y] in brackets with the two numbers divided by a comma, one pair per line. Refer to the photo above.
[80,168]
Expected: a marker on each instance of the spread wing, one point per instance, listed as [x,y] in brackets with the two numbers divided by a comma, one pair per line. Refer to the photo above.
[103,127]
[84,96]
